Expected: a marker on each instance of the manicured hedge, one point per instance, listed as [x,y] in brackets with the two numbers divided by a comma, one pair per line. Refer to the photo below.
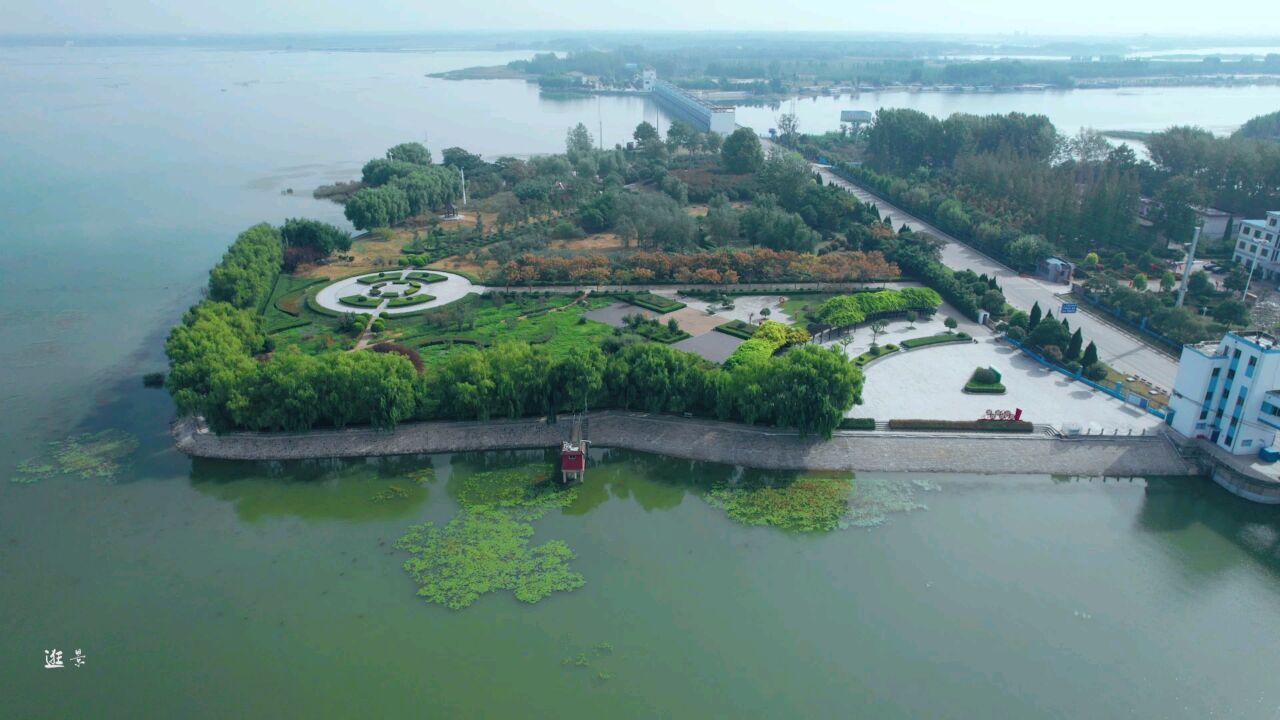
[936,340]
[979,389]
[410,300]
[426,277]
[380,277]
[738,329]
[649,301]
[361,301]
[999,426]
[879,352]
[858,424]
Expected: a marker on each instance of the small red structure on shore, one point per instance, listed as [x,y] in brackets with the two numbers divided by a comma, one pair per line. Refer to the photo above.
[573,460]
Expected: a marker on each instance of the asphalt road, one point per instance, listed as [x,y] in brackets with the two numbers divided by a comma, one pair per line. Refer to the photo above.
[1116,346]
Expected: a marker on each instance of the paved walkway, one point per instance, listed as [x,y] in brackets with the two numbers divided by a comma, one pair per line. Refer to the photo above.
[1116,347]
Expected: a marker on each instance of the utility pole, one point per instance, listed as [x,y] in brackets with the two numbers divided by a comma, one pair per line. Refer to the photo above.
[1186,268]
[1244,296]
[464,186]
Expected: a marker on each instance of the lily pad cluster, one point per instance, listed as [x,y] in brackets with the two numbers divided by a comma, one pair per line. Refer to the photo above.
[804,504]
[89,455]
[527,492]
[481,551]
[486,547]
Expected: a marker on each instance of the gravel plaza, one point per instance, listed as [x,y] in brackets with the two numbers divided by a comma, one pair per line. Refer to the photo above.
[927,383]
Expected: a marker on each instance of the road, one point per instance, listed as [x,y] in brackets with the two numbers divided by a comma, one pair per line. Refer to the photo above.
[1117,347]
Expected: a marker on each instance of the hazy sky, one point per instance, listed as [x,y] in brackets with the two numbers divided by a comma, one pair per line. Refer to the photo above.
[1080,17]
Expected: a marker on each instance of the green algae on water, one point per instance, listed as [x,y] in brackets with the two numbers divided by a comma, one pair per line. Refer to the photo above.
[809,503]
[89,455]
[527,491]
[481,551]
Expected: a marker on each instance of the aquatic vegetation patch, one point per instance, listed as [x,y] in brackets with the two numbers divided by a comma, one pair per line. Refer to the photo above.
[423,476]
[528,491]
[875,499]
[89,455]
[807,504]
[393,492]
[481,551]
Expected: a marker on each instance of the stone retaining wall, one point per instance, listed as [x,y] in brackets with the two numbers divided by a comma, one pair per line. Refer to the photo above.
[711,441]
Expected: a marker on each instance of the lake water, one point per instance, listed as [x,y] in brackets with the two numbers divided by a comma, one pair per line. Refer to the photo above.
[228,589]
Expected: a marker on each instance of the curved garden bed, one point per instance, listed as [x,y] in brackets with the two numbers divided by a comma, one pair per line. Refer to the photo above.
[425,277]
[381,277]
[360,301]
[410,300]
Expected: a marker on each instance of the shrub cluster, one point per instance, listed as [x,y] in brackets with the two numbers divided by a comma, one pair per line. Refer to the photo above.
[846,310]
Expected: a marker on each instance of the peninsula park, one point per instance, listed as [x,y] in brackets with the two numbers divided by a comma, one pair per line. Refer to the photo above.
[690,275]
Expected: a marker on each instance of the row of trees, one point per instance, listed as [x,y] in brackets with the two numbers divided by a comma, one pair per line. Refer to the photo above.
[808,388]
[715,266]
[245,275]
[1240,173]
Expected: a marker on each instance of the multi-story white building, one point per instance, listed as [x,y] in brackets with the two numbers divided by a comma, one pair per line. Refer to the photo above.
[1259,242]
[1229,392]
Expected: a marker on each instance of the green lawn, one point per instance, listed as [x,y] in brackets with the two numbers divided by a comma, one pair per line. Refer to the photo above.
[535,320]
[287,305]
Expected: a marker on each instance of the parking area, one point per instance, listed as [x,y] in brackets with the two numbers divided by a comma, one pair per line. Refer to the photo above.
[928,383]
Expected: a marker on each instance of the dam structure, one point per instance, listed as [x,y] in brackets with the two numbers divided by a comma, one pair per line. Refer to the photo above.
[704,116]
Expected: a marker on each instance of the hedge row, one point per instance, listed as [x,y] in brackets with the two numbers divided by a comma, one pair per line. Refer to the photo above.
[936,340]
[879,352]
[1000,426]
[858,424]
[981,389]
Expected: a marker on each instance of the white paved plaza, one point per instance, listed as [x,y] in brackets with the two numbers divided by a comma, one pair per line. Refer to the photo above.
[927,383]
[452,288]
